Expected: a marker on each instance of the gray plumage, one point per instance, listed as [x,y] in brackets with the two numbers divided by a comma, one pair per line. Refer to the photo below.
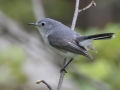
[65,41]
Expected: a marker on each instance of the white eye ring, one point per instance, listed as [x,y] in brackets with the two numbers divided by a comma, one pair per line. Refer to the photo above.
[42,24]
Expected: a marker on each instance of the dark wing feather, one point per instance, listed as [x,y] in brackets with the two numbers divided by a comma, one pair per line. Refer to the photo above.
[67,45]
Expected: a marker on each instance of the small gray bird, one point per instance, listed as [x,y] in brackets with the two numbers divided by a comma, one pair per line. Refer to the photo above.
[65,41]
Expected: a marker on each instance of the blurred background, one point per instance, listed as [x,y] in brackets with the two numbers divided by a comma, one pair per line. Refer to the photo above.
[24,58]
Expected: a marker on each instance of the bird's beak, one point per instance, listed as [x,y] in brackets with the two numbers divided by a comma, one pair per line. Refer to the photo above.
[31,24]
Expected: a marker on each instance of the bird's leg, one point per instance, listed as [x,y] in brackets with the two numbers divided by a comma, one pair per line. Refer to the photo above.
[63,68]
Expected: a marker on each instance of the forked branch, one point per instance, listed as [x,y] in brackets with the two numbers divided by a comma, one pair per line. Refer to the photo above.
[77,11]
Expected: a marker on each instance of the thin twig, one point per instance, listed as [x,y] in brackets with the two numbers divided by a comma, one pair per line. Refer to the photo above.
[75,15]
[77,11]
[39,81]
[65,60]
[87,7]
[62,75]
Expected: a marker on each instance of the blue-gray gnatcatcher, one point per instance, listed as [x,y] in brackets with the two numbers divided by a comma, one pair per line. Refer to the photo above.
[65,41]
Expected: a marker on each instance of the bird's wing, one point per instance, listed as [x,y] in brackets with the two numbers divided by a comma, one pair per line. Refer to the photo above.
[88,45]
[68,45]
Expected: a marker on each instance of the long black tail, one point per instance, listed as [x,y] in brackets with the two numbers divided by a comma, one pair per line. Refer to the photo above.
[100,36]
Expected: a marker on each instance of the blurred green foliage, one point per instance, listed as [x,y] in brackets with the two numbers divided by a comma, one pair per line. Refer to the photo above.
[11,60]
[104,67]
[53,12]
[106,63]
[19,10]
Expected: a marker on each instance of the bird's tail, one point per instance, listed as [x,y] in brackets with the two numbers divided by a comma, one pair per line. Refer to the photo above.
[86,40]
[100,36]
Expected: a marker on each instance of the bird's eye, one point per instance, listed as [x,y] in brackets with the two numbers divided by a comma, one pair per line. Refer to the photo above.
[42,24]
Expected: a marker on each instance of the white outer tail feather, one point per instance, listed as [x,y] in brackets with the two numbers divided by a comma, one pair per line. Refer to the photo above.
[85,43]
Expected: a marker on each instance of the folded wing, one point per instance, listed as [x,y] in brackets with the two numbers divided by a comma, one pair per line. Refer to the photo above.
[68,45]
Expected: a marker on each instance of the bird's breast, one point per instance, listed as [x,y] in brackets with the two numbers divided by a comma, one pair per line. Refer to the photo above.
[60,52]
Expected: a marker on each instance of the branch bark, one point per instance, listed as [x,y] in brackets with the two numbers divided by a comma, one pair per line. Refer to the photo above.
[75,15]
[39,81]
[77,11]
[62,75]
[65,60]
[87,7]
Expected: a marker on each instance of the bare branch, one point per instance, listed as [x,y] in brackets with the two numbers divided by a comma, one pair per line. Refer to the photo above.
[75,15]
[87,7]
[39,81]
[66,59]
[62,75]
[77,11]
